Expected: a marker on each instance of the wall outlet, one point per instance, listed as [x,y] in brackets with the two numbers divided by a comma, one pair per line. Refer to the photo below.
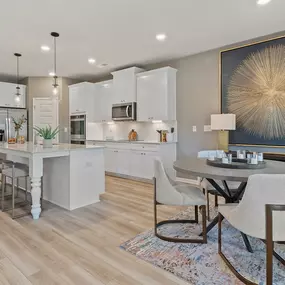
[194,128]
[207,128]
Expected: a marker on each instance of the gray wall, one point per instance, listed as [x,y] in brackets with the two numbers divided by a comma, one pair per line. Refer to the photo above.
[42,87]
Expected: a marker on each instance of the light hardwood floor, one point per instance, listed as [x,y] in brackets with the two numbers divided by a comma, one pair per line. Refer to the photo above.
[82,247]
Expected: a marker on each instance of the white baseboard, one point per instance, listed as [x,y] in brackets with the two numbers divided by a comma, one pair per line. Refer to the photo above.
[188,181]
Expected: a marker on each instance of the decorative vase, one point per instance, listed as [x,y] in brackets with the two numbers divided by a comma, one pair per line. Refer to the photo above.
[47,143]
[17,136]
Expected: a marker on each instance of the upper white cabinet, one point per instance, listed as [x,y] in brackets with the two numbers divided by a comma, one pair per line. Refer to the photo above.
[82,99]
[125,85]
[156,95]
[7,95]
[103,101]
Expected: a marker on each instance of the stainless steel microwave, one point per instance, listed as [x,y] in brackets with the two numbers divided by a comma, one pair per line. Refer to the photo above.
[124,112]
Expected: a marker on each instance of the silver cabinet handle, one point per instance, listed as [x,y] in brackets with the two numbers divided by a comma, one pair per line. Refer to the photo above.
[127,111]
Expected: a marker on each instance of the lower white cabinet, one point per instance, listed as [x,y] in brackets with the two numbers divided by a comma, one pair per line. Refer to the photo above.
[142,164]
[136,160]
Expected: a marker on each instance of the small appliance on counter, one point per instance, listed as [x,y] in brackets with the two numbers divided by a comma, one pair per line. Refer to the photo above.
[133,135]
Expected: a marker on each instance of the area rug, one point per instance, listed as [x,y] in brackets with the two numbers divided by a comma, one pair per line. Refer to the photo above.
[200,264]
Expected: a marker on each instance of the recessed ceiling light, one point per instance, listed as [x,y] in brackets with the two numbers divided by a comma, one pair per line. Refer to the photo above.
[102,65]
[161,37]
[263,2]
[91,60]
[106,85]
[51,74]
[45,48]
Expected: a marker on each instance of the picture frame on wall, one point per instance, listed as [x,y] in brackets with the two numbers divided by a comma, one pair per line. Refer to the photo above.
[252,86]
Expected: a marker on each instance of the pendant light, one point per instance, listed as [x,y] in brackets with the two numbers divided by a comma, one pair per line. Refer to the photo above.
[17,94]
[55,84]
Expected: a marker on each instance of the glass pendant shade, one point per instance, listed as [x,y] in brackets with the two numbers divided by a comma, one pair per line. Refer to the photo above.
[55,91]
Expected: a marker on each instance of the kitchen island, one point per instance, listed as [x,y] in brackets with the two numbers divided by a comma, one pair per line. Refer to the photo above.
[73,175]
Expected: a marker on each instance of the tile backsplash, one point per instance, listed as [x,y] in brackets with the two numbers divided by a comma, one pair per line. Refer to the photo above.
[120,130]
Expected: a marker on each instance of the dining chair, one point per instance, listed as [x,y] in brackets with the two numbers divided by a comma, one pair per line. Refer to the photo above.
[260,214]
[175,194]
[206,186]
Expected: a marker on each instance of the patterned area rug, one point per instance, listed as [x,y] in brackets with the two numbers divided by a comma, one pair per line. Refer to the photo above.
[200,264]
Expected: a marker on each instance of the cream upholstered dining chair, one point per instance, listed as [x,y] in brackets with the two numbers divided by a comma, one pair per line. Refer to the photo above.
[175,194]
[260,214]
[206,186]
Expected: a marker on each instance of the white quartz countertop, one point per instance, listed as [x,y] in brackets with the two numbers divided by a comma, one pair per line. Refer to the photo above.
[29,147]
[135,142]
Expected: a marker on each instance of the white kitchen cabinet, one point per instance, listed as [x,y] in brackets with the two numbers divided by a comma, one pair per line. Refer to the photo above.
[7,95]
[110,160]
[103,101]
[82,99]
[156,95]
[142,164]
[125,85]
[136,160]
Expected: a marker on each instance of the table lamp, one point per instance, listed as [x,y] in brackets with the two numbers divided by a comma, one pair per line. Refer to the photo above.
[223,123]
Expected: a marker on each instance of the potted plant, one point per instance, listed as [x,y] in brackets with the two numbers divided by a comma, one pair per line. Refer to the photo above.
[18,125]
[47,134]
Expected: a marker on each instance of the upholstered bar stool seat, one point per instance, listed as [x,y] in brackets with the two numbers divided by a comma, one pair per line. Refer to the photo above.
[14,171]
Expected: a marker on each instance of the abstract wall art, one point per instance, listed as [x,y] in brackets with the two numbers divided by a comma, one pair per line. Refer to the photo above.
[253,87]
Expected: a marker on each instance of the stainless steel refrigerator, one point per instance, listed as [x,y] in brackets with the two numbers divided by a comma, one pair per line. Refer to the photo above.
[6,122]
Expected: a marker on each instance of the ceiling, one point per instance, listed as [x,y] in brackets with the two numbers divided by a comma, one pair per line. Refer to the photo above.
[122,32]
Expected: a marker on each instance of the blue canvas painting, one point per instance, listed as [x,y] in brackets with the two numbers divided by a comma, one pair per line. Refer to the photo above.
[253,88]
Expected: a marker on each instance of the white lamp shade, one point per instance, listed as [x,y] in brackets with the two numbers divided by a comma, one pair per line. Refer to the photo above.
[223,122]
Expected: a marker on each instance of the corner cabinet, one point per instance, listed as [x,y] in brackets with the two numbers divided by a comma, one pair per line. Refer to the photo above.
[82,99]
[156,95]
[7,95]
[125,85]
[103,101]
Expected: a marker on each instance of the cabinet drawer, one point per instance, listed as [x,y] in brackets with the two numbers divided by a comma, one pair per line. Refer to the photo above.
[145,147]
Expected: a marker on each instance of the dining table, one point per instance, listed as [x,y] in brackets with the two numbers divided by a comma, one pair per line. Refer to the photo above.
[198,167]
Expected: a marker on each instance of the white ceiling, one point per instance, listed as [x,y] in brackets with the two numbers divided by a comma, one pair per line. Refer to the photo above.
[122,32]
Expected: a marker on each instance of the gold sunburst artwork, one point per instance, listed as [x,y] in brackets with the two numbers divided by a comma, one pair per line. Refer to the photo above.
[256,93]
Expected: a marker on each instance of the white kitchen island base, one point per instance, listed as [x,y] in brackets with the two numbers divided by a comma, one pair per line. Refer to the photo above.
[73,175]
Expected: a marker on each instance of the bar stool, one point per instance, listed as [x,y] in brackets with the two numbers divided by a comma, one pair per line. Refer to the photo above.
[14,170]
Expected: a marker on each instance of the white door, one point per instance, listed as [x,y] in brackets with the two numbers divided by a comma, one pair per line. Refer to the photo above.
[45,112]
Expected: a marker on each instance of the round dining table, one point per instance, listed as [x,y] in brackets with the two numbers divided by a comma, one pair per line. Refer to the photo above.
[199,167]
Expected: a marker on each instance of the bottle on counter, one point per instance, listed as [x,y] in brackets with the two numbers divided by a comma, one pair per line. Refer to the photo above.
[133,135]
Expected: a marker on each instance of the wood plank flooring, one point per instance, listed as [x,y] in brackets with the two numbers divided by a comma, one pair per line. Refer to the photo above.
[82,247]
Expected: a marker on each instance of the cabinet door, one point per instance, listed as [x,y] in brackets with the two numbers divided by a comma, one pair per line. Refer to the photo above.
[74,102]
[103,101]
[110,160]
[148,164]
[81,99]
[123,159]
[124,87]
[7,94]
[136,167]
[152,96]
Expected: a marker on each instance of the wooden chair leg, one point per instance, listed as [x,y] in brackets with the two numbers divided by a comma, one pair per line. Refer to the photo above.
[208,206]
[216,201]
